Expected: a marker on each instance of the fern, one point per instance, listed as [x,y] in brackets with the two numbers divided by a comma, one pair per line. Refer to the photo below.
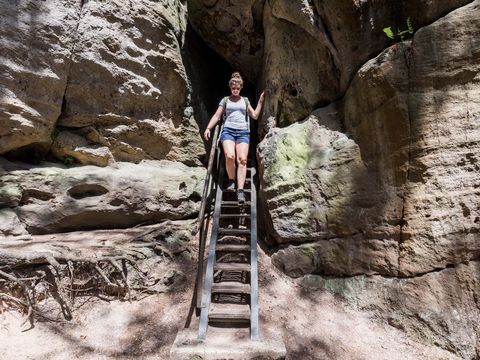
[400,34]
[409,25]
[388,31]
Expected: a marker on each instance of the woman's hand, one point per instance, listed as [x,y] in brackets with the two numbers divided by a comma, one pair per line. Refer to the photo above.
[262,97]
[206,134]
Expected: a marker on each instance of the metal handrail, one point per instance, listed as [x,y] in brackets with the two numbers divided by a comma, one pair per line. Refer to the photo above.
[206,186]
[200,226]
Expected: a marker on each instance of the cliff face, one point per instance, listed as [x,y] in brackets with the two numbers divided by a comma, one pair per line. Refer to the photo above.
[97,82]
[369,159]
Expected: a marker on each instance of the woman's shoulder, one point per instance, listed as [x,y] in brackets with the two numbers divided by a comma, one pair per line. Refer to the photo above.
[223,101]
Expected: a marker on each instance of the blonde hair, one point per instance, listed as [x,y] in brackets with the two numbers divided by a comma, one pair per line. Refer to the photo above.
[236,78]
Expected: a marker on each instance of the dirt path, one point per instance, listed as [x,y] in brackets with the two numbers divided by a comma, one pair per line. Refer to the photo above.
[313,325]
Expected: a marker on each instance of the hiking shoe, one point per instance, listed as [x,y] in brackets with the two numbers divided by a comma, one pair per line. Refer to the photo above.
[230,186]
[240,196]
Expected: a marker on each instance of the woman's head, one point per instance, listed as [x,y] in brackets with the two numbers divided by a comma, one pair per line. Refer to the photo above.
[236,79]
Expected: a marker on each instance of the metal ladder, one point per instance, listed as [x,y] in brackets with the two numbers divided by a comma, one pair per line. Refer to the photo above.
[230,289]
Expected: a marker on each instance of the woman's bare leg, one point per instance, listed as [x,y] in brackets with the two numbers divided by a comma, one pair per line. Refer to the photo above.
[229,151]
[242,155]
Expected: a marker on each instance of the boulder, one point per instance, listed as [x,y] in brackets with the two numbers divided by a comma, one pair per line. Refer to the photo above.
[438,308]
[128,82]
[36,44]
[58,199]
[318,191]
[404,174]
[400,109]
[314,48]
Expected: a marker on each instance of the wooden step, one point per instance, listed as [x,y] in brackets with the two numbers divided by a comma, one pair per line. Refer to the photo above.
[227,231]
[232,248]
[226,216]
[234,203]
[229,313]
[230,287]
[231,238]
[232,267]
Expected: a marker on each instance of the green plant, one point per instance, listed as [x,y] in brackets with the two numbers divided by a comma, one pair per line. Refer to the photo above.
[400,34]
[54,134]
[68,160]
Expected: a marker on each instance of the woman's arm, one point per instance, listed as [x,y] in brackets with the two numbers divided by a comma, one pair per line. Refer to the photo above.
[213,121]
[255,113]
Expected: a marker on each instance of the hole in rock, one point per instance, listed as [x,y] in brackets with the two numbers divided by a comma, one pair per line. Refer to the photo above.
[29,195]
[86,190]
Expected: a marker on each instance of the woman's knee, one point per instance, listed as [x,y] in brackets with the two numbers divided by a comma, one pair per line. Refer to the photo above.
[230,156]
[242,161]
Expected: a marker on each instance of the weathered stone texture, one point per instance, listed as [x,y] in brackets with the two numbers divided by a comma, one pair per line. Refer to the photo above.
[233,29]
[442,198]
[57,199]
[36,41]
[440,307]
[407,174]
[113,68]
[309,50]
[127,81]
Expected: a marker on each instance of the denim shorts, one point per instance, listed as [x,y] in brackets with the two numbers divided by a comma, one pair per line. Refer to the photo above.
[237,136]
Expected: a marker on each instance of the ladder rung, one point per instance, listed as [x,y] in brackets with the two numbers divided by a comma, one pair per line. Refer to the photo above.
[234,231]
[232,248]
[232,267]
[227,238]
[234,203]
[234,215]
[231,287]
[230,313]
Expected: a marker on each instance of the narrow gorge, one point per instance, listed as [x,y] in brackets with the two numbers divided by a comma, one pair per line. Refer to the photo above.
[368,158]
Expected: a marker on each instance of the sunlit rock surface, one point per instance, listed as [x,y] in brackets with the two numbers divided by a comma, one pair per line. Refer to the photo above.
[57,199]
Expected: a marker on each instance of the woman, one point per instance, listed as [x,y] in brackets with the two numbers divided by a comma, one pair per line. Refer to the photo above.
[235,135]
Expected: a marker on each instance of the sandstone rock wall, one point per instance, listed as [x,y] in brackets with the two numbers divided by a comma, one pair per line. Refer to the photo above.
[336,36]
[102,81]
[408,175]
[53,198]
[385,180]
[36,42]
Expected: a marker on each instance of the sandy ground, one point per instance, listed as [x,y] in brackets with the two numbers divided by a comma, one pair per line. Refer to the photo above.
[313,325]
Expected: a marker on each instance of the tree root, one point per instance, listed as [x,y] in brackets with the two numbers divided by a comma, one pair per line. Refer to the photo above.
[62,270]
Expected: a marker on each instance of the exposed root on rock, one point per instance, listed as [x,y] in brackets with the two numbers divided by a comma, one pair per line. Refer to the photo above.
[43,277]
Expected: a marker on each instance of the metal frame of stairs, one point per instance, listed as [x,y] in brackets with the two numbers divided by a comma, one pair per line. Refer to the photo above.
[220,270]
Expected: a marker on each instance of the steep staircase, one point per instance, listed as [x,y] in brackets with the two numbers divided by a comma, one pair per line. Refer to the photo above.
[225,296]
[229,295]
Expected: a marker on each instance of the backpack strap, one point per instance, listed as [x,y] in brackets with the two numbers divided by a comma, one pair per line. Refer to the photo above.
[224,104]
[247,119]
[246,108]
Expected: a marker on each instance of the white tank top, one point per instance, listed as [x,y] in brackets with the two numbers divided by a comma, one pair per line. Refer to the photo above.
[235,114]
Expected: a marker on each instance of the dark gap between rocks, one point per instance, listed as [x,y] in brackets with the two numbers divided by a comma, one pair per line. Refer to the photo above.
[209,74]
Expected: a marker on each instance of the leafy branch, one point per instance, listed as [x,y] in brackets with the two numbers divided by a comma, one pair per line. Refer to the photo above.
[400,34]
